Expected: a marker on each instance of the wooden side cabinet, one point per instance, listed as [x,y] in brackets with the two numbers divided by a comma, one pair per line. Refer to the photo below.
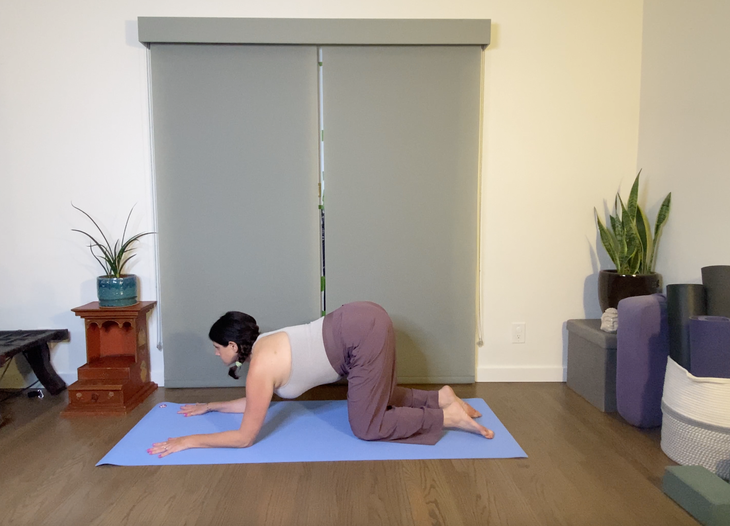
[116,376]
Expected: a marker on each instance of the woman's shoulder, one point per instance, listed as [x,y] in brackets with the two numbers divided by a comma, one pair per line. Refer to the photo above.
[270,339]
[271,345]
[271,357]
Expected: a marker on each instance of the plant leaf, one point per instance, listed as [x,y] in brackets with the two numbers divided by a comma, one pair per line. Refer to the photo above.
[95,224]
[632,204]
[101,261]
[121,267]
[623,254]
[661,218]
[126,247]
[632,239]
[124,233]
[647,245]
[132,239]
[106,255]
[608,239]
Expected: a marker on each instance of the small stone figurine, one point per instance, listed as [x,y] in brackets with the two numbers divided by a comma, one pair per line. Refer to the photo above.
[609,320]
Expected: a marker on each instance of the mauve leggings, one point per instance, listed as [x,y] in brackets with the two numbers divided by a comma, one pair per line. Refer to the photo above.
[360,344]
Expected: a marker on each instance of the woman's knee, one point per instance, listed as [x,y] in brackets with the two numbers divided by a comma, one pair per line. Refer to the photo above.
[364,430]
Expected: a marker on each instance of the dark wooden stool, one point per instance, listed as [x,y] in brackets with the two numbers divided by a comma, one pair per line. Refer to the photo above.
[34,346]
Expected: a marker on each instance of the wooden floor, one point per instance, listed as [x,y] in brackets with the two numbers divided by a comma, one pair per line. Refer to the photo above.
[584,468]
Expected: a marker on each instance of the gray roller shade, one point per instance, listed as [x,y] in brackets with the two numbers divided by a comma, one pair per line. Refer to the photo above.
[401,142]
[235,131]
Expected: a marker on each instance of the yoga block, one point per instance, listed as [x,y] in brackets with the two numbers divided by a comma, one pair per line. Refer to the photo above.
[592,363]
[703,494]
[641,358]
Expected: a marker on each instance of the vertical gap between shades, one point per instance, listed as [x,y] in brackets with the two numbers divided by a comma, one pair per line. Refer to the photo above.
[480,340]
[153,177]
[320,98]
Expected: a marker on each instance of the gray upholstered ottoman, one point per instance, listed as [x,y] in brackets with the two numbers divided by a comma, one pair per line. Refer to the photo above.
[592,363]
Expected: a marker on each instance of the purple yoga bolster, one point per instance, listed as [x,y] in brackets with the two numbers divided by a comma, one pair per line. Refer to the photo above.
[709,346]
[642,348]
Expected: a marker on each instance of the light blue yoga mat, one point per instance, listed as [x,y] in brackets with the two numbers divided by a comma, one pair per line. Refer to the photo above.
[314,431]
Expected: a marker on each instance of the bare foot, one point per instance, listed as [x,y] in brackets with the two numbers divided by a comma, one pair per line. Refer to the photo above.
[448,397]
[455,416]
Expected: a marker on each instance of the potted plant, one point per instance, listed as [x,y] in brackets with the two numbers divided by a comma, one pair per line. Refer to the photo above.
[632,248]
[114,288]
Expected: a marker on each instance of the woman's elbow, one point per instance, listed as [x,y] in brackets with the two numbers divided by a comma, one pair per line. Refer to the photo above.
[244,441]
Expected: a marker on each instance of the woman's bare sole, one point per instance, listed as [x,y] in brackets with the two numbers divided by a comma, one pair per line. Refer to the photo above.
[460,415]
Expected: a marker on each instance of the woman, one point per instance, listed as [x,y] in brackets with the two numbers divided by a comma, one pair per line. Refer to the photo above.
[356,341]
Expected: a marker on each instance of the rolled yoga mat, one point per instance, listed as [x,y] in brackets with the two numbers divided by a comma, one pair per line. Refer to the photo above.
[716,280]
[309,431]
[683,302]
[709,341]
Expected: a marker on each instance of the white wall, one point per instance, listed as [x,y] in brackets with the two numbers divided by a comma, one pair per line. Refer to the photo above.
[684,139]
[562,107]
[560,134]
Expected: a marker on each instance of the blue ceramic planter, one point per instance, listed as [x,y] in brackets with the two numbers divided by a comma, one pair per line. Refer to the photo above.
[117,292]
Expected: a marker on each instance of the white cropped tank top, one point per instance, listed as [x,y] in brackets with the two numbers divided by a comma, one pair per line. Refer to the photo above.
[310,366]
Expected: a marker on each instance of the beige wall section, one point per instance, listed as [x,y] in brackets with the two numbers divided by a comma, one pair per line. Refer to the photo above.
[684,136]
[560,133]
[561,124]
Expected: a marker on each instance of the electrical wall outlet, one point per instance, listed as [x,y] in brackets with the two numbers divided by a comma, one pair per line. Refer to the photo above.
[518,332]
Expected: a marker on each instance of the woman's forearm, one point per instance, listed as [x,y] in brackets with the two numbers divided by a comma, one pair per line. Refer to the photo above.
[231,406]
[232,438]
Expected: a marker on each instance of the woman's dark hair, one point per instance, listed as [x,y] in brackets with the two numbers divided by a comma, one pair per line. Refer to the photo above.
[238,328]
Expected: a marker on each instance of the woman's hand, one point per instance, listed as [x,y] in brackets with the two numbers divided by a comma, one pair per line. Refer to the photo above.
[172,445]
[194,409]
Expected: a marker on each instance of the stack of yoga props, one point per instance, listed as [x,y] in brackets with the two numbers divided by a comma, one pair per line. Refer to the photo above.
[696,394]
[313,431]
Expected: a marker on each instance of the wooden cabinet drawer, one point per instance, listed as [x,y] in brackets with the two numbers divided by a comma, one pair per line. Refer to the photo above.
[95,397]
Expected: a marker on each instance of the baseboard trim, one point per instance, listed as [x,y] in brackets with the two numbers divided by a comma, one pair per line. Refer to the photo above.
[435,380]
[198,384]
[521,374]
[439,380]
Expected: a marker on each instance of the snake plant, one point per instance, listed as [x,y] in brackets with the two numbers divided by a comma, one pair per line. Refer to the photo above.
[111,258]
[629,241]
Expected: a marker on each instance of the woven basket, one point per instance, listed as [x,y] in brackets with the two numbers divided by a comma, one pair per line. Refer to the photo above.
[706,400]
[696,420]
[692,443]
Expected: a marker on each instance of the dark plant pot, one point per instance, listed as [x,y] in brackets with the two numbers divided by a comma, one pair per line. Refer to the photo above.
[117,292]
[613,287]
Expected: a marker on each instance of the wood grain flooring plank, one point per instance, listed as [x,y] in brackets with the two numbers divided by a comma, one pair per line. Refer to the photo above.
[487,494]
